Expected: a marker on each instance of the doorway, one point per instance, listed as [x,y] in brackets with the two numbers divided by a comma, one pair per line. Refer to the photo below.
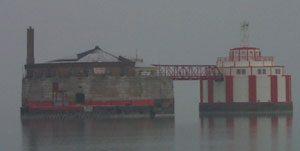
[80,98]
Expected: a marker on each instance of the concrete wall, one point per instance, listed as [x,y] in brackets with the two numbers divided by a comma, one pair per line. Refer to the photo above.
[263,91]
[205,92]
[241,89]
[219,91]
[99,88]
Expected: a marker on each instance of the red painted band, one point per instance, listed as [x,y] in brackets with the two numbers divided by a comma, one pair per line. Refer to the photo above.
[201,91]
[230,123]
[288,88]
[210,88]
[229,89]
[72,105]
[274,125]
[274,89]
[253,123]
[252,89]
[289,122]
[230,127]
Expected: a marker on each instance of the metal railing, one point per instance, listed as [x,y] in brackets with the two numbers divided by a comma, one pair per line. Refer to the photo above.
[189,72]
[258,58]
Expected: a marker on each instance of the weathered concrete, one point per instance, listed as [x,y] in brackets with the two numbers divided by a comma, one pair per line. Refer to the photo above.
[99,88]
[244,108]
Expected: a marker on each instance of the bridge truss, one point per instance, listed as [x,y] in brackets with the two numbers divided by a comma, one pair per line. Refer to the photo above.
[189,72]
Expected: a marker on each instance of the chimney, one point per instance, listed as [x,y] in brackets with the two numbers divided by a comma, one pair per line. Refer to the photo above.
[30,46]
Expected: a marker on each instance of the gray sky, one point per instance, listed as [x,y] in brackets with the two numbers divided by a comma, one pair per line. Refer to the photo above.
[163,31]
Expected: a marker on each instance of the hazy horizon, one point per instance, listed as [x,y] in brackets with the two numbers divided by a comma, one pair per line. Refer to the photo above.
[163,31]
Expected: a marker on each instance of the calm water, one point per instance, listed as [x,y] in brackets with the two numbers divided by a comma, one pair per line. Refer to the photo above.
[231,133]
[186,132]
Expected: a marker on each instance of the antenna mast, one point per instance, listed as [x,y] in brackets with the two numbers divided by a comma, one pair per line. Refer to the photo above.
[136,54]
[244,34]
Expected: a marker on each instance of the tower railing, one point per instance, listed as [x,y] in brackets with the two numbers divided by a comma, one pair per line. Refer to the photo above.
[257,58]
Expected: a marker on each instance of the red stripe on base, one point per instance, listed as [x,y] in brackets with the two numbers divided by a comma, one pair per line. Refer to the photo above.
[72,105]
[210,88]
[253,123]
[39,103]
[229,89]
[201,91]
[274,88]
[288,92]
[252,88]
[274,124]
[211,125]
[289,121]
[252,133]
[230,123]
[230,127]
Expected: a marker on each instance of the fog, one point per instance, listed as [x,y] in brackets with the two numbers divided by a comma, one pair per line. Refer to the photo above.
[163,32]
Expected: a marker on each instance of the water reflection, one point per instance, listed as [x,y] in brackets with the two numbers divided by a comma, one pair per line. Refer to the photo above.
[254,133]
[251,133]
[92,134]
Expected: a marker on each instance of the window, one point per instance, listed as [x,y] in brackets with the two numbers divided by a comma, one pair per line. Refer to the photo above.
[80,98]
[72,72]
[238,71]
[49,72]
[79,72]
[241,71]
[85,71]
[259,71]
[55,87]
[277,71]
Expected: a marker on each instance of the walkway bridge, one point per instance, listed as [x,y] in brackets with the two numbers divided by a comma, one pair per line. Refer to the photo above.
[189,72]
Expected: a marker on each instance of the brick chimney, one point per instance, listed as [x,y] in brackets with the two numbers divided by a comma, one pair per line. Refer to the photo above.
[30,46]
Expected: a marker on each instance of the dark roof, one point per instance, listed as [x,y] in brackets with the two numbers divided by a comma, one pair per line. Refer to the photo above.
[94,55]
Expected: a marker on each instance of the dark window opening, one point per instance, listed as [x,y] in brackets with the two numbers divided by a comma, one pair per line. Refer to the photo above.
[124,71]
[277,71]
[259,71]
[243,71]
[80,98]
[85,71]
[55,87]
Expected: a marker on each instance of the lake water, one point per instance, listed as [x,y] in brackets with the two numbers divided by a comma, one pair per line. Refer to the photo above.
[186,132]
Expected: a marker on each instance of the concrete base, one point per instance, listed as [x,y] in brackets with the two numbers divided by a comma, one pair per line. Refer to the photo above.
[101,112]
[265,108]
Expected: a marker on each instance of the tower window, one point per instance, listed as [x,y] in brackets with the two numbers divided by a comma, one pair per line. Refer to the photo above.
[277,71]
[241,71]
[259,71]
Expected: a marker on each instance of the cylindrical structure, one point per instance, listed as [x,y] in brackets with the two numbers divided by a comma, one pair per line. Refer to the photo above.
[251,82]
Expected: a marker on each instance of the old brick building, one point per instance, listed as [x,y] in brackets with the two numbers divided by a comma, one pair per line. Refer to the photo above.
[94,81]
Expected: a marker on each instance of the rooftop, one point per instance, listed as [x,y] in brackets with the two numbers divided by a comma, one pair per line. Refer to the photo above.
[99,55]
[94,55]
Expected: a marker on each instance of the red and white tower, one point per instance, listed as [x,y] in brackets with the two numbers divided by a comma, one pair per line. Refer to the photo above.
[251,82]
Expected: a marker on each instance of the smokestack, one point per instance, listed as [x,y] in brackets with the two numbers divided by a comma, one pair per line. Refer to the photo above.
[30,46]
